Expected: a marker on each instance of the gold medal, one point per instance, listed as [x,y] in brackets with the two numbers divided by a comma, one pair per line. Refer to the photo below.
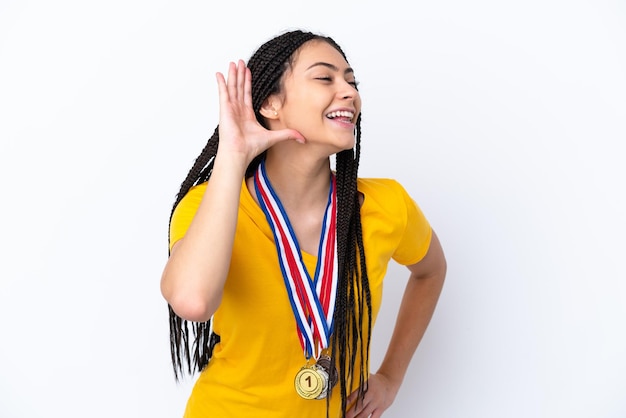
[316,381]
[311,381]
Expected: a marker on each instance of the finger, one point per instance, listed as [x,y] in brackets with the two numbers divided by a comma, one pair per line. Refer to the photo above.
[247,91]
[284,135]
[354,405]
[241,80]
[362,410]
[231,81]
[351,411]
[353,396]
[221,88]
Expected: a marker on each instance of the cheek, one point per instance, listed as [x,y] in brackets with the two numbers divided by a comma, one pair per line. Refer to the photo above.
[309,110]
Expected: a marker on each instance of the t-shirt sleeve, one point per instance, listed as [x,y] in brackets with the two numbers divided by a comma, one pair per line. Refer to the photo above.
[185,212]
[415,239]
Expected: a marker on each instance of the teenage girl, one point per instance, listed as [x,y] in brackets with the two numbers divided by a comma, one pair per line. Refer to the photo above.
[276,265]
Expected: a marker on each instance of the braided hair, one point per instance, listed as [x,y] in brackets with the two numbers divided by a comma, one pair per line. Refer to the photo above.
[191,351]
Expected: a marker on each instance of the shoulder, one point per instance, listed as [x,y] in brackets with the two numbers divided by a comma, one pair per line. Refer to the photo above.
[385,199]
[382,190]
[192,198]
[378,184]
[189,204]
[388,208]
[185,211]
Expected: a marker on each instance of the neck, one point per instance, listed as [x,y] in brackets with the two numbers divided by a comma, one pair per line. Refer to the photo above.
[299,182]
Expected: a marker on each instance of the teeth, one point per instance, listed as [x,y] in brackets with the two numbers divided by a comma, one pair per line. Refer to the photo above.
[340,113]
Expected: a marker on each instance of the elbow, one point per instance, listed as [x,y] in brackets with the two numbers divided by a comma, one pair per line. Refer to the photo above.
[192,309]
[190,305]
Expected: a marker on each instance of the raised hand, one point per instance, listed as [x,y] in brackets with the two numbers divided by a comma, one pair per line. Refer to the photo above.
[239,130]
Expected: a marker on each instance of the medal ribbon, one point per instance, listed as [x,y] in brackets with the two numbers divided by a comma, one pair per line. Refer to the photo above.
[312,299]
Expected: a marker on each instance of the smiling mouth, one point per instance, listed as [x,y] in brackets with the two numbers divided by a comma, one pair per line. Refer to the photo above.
[343,115]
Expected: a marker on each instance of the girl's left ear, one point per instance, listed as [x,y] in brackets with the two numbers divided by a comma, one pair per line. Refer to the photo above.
[269,108]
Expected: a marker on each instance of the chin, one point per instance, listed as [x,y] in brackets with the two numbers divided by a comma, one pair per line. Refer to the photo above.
[336,143]
[351,146]
[344,142]
[348,144]
[343,146]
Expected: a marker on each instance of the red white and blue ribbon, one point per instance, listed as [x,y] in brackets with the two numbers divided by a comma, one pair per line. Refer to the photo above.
[312,299]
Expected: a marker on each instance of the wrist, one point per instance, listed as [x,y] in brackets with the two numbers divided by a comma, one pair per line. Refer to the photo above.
[231,162]
[394,381]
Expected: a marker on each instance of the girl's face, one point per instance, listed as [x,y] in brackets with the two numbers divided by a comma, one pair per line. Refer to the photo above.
[319,98]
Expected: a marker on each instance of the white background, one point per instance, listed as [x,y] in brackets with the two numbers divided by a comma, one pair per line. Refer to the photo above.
[504,120]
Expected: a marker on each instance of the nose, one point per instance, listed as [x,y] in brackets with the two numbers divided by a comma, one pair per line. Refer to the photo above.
[347,91]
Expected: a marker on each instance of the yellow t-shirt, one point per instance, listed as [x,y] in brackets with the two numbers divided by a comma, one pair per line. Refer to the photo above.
[252,371]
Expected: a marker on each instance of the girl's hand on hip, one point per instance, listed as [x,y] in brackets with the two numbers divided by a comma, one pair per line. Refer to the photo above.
[379,396]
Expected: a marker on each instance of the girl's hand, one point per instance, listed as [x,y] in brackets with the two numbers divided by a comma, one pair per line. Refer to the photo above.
[379,396]
[239,130]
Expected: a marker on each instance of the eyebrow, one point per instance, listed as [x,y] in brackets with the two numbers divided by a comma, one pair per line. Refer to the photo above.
[331,66]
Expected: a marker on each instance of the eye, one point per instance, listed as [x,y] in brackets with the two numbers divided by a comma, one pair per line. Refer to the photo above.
[329,79]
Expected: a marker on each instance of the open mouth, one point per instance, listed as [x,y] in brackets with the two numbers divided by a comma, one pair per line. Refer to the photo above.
[342,115]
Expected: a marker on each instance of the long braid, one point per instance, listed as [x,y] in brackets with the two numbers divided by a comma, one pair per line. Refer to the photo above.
[179,328]
[352,318]
[353,303]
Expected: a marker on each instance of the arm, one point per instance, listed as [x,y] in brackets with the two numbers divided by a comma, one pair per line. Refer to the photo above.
[416,309]
[194,275]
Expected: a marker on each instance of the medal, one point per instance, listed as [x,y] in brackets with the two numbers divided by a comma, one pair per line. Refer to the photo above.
[316,381]
[330,369]
[312,298]
[311,382]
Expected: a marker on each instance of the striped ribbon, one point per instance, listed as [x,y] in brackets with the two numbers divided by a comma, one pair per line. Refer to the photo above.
[312,299]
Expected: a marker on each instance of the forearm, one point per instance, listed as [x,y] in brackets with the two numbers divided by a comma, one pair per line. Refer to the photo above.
[416,310]
[194,276]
